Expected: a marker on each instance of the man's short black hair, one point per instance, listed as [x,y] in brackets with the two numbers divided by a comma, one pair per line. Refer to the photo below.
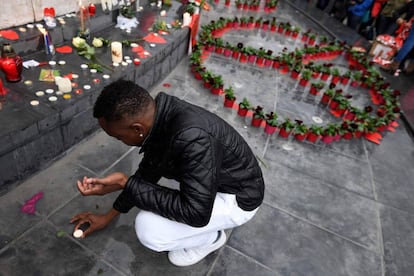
[121,99]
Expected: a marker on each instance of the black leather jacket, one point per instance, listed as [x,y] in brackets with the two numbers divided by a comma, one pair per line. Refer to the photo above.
[200,151]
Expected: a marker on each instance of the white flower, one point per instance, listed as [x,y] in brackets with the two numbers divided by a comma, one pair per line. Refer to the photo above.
[97,42]
[78,42]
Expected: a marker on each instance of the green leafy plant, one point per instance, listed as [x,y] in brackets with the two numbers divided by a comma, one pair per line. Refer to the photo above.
[300,128]
[318,130]
[245,104]
[258,112]
[306,74]
[335,72]
[195,58]
[127,11]
[159,25]
[318,85]
[271,119]
[356,75]
[288,125]
[261,52]
[229,93]
[331,129]
[217,81]
[296,29]
[207,76]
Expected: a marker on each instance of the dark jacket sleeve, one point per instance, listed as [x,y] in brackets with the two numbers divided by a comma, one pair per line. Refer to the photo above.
[197,166]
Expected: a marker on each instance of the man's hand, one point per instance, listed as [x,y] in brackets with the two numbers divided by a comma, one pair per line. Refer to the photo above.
[101,186]
[96,222]
[400,21]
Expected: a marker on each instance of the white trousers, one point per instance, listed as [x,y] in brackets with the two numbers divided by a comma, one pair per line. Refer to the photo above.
[161,234]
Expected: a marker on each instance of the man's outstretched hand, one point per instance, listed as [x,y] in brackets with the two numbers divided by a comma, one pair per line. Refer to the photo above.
[96,222]
[101,186]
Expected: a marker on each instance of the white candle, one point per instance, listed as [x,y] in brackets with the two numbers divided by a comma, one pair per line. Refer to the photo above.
[81,14]
[103,4]
[186,19]
[116,49]
[64,84]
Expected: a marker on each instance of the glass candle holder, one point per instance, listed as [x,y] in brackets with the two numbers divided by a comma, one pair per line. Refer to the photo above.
[11,64]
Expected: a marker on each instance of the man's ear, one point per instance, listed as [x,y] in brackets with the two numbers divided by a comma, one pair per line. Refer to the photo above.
[137,127]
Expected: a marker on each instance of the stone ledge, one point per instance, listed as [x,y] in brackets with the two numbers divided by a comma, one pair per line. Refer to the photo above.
[32,136]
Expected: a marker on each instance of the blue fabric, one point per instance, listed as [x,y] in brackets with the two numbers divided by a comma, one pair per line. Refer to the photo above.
[406,48]
[361,8]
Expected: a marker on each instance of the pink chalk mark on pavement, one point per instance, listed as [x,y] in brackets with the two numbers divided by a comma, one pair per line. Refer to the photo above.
[29,206]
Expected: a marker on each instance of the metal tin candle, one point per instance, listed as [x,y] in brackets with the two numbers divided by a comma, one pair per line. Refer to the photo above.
[11,63]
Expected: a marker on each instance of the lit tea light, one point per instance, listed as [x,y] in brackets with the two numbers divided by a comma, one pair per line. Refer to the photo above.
[52,63]
[28,82]
[133,45]
[61,62]
[115,64]
[22,29]
[146,53]
[40,93]
[86,87]
[74,84]
[93,71]
[137,61]
[84,66]
[127,57]
[129,61]
[287,147]
[317,119]
[124,63]
[78,91]
[106,76]
[49,91]
[152,45]
[78,233]
[30,26]
[39,26]
[34,102]
[96,81]
[75,76]
[67,96]
[53,98]
[59,93]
